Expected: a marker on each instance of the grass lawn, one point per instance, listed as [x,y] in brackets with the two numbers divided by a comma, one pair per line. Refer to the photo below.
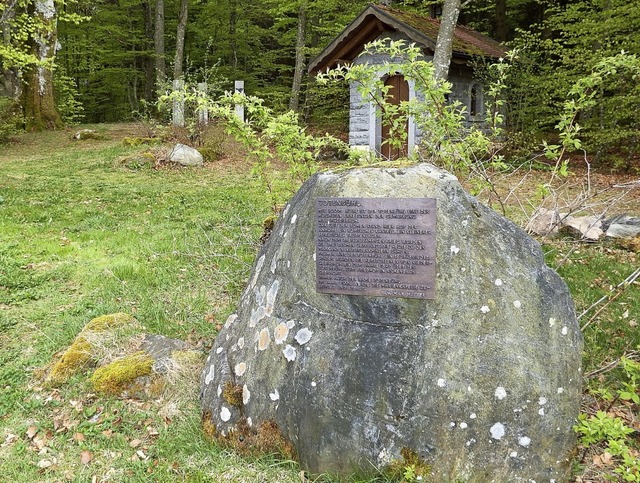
[81,235]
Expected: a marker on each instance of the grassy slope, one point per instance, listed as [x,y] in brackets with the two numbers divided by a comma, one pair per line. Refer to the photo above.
[81,236]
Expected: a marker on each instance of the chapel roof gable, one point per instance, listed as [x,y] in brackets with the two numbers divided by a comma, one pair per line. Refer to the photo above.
[421,29]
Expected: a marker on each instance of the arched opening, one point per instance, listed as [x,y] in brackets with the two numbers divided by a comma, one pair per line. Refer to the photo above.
[475,100]
[399,92]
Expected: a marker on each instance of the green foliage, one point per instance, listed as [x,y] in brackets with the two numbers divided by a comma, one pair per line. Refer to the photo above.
[10,119]
[610,431]
[581,40]
[66,96]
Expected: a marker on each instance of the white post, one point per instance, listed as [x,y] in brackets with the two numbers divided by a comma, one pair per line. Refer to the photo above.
[203,112]
[178,103]
[239,89]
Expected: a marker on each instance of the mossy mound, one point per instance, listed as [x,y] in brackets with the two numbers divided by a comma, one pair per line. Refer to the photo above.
[81,353]
[139,161]
[114,378]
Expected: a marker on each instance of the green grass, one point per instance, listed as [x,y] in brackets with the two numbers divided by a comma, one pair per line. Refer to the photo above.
[82,236]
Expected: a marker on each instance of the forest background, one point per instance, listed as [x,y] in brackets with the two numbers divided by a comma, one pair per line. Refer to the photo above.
[109,60]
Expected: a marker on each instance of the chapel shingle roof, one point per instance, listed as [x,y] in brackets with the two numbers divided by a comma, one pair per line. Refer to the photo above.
[422,29]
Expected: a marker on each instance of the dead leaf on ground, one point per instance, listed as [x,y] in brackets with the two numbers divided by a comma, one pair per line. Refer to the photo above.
[79,437]
[32,431]
[85,457]
[604,459]
[135,443]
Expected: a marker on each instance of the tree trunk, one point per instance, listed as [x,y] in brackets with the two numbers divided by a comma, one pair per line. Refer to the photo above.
[158,38]
[10,84]
[182,26]
[299,67]
[501,20]
[444,44]
[148,58]
[233,20]
[38,101]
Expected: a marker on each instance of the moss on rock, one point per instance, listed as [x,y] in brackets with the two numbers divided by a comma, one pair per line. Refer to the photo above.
[81,353]
[116,377]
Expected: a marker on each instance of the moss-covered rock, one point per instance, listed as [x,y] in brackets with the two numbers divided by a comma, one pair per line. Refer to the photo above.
[114,378]
[81,353]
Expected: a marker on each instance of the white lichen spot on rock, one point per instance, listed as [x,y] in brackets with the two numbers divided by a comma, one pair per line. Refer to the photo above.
[256,316]
[497,431]
[484,309]
[565,330]
[542,401]
[256,274]
[442,383]
[470,442]
[280,333]
[463,425]
[500,393]
[560,390]
[275,395]
[291,324]
[272,293]
[246,394]
[524,441]
[454,250]
[249,422]
[219,391]
[541,411]
[384,457]
[552,322]
[263,339]
[241,342]
[225,414]
[210,374]
[231,319]
[240,369]
[498,282]
[513,454]
[259,295]
[274,265]
[303,336]
[517,304]
[473,416]
[313,384]
[293,219]
[219,350]
[314,256]
[289,353]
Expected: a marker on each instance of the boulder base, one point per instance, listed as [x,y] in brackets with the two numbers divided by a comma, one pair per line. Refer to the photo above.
[481,384]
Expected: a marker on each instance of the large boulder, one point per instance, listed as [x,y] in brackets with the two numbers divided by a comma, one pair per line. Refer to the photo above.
[481,383]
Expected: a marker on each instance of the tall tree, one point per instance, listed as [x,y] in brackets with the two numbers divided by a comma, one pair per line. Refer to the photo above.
[158,36]
[444,44]
[182,26]
[298,70]
[38,101]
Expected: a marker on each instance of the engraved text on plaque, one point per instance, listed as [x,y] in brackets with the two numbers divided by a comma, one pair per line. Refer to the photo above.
[376,246]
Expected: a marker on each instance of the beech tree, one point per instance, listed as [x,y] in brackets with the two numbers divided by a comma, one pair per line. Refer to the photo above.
[444,44]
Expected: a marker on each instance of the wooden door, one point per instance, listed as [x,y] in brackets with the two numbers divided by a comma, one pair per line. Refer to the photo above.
[399,92]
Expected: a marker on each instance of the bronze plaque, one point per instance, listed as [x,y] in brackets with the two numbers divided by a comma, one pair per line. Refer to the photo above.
[384,247]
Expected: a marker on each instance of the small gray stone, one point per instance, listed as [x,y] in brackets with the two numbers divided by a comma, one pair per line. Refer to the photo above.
[483,382]
[582,227]
[623,226]
[185,156]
